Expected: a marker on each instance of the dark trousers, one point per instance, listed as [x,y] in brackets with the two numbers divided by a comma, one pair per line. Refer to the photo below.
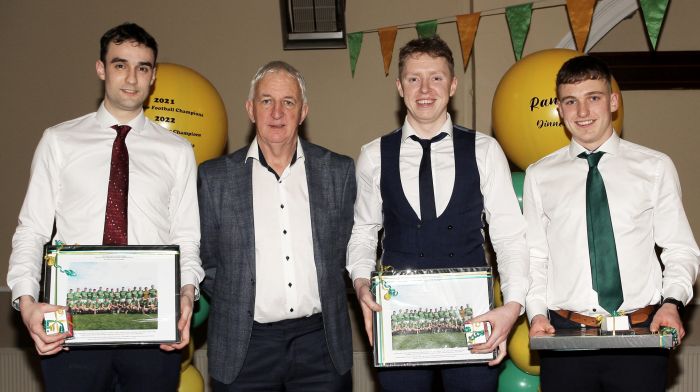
[619,370]
[466,378]
[104,369]
[289,355]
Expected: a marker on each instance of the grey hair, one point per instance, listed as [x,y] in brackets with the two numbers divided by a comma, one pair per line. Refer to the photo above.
[277,66]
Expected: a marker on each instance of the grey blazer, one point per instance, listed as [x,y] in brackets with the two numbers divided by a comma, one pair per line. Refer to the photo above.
[228,255]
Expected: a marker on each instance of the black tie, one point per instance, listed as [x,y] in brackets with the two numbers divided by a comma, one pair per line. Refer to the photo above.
[425,178]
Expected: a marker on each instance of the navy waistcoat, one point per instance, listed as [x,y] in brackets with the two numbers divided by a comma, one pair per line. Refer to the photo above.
[453,239]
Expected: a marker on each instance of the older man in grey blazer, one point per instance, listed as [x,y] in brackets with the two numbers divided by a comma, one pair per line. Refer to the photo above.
[276,217]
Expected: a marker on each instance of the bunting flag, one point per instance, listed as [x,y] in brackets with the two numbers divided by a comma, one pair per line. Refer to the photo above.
[426,28]
[354,46]
[654,12]
[580,17]
[466,27]
[387,37]
[519,17]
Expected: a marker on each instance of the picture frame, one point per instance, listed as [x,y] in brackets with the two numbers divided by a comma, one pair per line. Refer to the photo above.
[593,339]
[425,314]
[117,295]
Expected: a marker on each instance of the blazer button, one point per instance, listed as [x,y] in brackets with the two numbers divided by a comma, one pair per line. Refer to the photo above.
[449,227]
[421,254]
[452,254]
[418,226]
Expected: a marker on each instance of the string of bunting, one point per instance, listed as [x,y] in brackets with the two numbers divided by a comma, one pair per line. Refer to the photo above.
[518,17]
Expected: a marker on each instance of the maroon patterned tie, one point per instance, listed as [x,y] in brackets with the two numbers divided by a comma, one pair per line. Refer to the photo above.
[115,232]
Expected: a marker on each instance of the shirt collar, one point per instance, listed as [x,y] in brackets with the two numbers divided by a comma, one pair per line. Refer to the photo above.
[255,153]
[610,146]
[106,120]
[407,130]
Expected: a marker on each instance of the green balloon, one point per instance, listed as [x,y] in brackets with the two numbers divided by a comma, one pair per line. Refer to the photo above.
[513,379]
[518,181]
[201,311]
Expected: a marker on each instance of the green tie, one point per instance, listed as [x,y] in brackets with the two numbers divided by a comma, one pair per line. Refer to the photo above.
[601,239]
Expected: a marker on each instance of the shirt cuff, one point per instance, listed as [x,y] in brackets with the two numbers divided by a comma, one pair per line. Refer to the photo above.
[361,272]
[534,309]
[192,279]
[676,292]
[24,288]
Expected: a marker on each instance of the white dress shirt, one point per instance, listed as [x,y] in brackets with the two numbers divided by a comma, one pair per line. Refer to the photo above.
[644,196]
[506,223]
[68,182]
[286,281]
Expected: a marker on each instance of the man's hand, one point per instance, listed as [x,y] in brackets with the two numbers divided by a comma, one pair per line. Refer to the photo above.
[540,326]
[502,320]
[667,316]
[183,325]
[367,304]
[33,317]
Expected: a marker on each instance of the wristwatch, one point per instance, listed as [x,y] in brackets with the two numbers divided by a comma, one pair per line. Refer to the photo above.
[679,305]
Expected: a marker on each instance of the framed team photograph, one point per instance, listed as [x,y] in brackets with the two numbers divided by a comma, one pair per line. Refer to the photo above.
[426,316]
[116,294]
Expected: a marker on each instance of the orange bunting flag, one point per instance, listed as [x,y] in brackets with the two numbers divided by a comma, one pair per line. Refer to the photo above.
[387,38]
[466,27]
[580,17]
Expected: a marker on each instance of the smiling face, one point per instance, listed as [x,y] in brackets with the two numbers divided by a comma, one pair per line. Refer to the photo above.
[128,72]
[426,86]
[586,109]
[277,108]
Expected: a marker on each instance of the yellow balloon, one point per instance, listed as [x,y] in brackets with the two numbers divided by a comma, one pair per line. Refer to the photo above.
[519,348]
[497,296]
[187,355]
[191,380]
[524,110]
[186,103]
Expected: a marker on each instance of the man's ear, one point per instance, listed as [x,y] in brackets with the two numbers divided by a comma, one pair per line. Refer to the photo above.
[453,86]
[399,87]
[153,78]
[100,68]
[304,113]
[249,110]
[614,102]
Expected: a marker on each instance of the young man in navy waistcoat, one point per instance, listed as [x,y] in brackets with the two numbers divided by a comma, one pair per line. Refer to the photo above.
[442,227]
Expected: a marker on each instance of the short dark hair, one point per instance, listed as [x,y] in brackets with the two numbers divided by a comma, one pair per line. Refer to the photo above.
[582,68]
[433,46]
[126,32]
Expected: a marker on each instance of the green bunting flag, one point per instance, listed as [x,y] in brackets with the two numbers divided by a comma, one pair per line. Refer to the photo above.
[426,28]
[654,12]
[519,17]
[354,46]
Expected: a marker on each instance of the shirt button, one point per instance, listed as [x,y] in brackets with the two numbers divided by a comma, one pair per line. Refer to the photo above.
[449,227]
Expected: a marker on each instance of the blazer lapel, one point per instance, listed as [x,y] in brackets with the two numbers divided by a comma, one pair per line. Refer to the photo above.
[241,191]
[318,188]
